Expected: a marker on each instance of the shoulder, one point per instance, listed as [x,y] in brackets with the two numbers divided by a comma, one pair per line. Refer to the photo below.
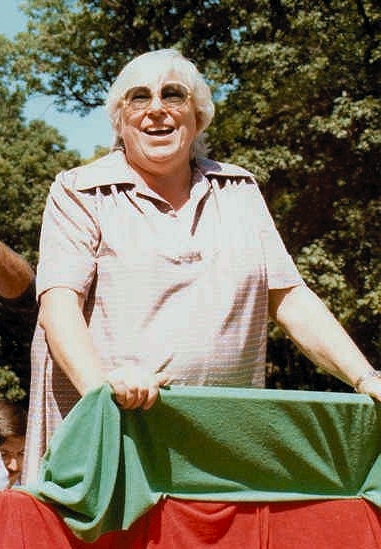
[225,172]
[236,188]
[105,171]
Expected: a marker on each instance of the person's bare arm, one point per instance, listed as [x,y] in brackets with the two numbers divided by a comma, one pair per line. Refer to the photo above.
[16,275]
[316,332]
[69,339]
[72,347]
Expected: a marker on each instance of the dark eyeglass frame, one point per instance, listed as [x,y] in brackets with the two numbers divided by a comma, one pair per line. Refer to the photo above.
[172,95]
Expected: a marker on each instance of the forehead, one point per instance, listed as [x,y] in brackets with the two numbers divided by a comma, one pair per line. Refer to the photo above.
[13,444]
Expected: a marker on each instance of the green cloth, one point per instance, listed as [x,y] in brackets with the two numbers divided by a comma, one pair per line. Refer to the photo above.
[105,468]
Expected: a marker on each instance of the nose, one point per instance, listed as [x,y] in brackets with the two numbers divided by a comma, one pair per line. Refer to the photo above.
[156,104]
[13,465]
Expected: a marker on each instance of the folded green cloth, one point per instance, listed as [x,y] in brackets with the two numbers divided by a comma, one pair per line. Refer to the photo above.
[104,468]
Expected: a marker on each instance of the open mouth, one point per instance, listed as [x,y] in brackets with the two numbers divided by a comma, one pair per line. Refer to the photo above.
[159,132]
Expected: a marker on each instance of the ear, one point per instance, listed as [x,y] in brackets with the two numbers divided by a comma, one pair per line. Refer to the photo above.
[118,121]
[199,122]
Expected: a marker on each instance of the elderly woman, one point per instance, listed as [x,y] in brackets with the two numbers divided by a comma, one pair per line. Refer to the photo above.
[159,266]
[13,421]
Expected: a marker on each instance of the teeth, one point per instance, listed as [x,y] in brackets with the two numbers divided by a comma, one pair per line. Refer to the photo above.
[159,132]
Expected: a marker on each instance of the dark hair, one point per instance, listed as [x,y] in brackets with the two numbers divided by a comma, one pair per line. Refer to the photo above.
[13,420]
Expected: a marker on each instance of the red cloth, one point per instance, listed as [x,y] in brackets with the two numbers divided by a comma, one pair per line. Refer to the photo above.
[26,523]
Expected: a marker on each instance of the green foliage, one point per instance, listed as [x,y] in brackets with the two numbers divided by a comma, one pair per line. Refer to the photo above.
[74,49]
[29,159]
[30,156]
[303,113]
[297,85]
[10,385]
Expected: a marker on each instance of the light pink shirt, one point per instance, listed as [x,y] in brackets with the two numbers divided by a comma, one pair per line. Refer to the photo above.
[184,291]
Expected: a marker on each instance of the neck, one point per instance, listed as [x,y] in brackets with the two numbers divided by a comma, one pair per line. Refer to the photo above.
[174,186]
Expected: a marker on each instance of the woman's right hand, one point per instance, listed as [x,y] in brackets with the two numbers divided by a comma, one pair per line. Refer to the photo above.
[135,388]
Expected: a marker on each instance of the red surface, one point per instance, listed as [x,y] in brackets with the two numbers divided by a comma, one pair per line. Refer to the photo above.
[26,523]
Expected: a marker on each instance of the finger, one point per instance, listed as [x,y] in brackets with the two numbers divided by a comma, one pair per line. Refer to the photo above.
[152,395]
[137,397]
[160,379]
[117,387]
[132,398]
[125,397]
[163,379]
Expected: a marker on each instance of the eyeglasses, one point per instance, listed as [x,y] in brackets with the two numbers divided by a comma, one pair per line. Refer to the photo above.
[172,95]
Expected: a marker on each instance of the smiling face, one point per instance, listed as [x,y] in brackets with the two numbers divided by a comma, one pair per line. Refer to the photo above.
[158,137]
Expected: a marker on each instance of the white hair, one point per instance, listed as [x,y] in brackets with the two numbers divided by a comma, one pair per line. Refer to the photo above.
[174,61]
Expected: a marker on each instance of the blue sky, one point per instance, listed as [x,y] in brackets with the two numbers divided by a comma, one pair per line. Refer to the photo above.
[82,133]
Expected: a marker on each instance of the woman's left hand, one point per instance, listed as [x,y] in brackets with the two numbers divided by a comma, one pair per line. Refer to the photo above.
[371,386]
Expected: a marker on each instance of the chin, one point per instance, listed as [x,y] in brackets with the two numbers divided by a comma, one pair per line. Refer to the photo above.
[162,156]
[13,480]
[167,151]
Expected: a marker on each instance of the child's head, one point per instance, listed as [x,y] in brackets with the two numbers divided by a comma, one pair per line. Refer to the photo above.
[13,420]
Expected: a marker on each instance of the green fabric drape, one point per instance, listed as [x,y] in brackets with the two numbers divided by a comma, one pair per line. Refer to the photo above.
[104,468]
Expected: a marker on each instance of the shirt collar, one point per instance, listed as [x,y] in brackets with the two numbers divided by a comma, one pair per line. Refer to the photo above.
[113,169]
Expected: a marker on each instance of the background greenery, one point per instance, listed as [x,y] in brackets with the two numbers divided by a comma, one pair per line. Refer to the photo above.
[297,86]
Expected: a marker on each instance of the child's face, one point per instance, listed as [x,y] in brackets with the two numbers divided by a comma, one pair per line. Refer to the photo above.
[12,454]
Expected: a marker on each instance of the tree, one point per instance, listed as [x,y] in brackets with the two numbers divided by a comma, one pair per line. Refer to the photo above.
[74,49]
[297,85]
[10,385]
[312,136]
[30,156]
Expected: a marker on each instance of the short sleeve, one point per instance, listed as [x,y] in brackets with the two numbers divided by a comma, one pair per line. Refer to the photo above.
[281,269]
[69,238]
